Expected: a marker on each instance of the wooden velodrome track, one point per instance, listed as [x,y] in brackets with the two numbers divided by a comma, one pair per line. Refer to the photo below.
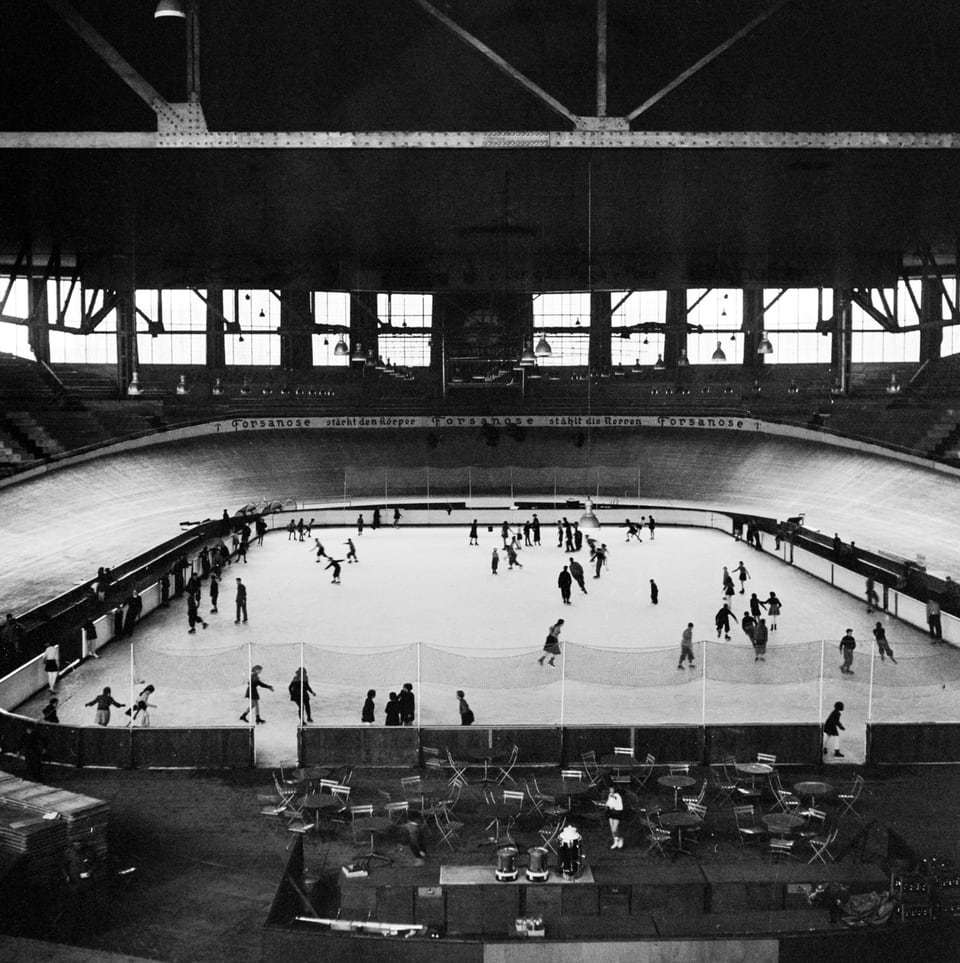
[58,528]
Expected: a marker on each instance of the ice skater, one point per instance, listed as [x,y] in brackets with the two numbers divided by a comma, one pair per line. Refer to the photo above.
[774,605]
[535,525]
[654,593]
[728,590]
[512,560]
[722,621]
[299,691]
[193,615]
[743,575]
[103,702]
[319,550]
[761,635]
[241,602]
[576,573]
[879,633]
[360,524]
[599,558]
[652,525]
[847,644]
[214,592]
[351,552]
[565,581]
[749,625]
[474,539]
[334,563]
[494,562]
[686,646]
[141,708]
[873,600]
[832,729]
[551,646]
[632,531]
[253,695]
[756,606]
[396,518]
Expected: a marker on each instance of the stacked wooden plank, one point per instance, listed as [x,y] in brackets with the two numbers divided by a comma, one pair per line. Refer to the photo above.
[39,842]
[37,821]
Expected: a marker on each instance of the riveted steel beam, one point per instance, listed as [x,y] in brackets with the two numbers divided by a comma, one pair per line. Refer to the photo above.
[481,140]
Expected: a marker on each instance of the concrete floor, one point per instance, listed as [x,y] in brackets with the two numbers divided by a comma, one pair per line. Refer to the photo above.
[484,634]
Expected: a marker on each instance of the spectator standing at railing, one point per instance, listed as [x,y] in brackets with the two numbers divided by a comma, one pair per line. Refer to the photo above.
[291,530]
[933,620]
[261,526]
[396,518]
[134,608]
[951,597]
[11,638]
[51,665]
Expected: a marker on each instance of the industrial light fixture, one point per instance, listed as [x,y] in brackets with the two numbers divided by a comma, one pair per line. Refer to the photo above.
[588,519]
[528,357]
[170,8]
[764,347]
[683,361]
[340,349]
[894,386]
[543,349]
[659,366]
[240,339]
[263,314]
[718,355]
[358,354]
[326,342]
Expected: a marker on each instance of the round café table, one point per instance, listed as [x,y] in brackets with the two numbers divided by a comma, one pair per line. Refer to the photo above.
[572,789]
[374,825]
[813,788]
[618,762]
[486,756]
[782,824]
[679,821]
[676,783]
[322,805]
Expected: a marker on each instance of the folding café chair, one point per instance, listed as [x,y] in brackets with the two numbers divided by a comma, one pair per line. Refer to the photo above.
[411,788]
[272,811]
[508,767]
[783,799]
[342,793]
[777,847]
[656,836]
[591,768]
[539,799]
[747,827]
[459,771]
[698,809]
[814,826]
[360,812]
[397,812]
[641,776]
[680,769]
[575,775]
[821,846]
[549,832]
[767,758]
[697,800]
[448,827]
[431,759]
[848,799]
[721,785]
